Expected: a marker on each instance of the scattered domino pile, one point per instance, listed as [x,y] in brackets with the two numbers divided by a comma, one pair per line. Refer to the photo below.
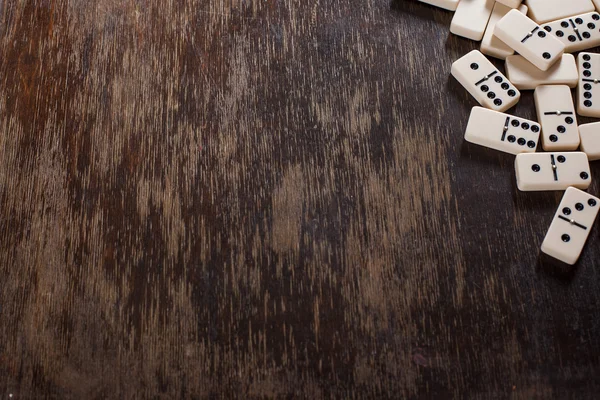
[536,40]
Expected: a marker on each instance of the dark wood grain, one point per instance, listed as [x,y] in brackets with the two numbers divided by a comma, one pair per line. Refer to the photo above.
[266,199]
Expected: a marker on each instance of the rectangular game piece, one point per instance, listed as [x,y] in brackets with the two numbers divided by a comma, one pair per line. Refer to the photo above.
[552,171]
[528,39]
[471,18]
[542,11]
[445,4]
[501,131]
[490,44]
[590,140]
[489,87]
[577,33]
[571,226]
[588,94]
[556,113]
[526,76]
[511,3]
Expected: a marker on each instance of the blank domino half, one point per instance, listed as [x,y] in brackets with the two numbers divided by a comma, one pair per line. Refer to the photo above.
[471,18]
[445,4]
[528,39]
[526,76]
[484,82]
[510,3]
[552,171]
[590,140]
[556,113]
[571,226]
[577,33]
[588,94]
[490,44]
[501,131]
[542,11]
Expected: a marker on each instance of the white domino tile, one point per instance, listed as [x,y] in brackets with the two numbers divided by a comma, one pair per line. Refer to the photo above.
[542,11]
[490,44]
[556,113]
[590,140]
[484,82]
[571,226]
[528,39]
[445,4]
[552,171]
[510,3]
[501,131]
[471,18]
[526,76]
[577,33]
[588,86]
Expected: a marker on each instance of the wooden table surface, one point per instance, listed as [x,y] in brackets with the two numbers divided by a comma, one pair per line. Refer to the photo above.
[268,199]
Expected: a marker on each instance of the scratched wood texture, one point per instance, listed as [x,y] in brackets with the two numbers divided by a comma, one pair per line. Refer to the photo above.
[268,199]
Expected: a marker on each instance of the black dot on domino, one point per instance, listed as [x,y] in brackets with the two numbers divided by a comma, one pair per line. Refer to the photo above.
[569,120]
[584,175]
[553,138]
[579,207]
[564,24]
[548,29]
[591,25]
[535,129]
[586,57]
[512,139]
[595,17]
[587,65]
[578,21]
[498,79]
[587,103]
[511,93]
[587,95]
[567,211]
[498,102]
[561,159]
[505,86]
[515,123]
[522,142]
[491,95]
[542,34]
[587,86]
[587,73]
[474,66]
[561,129]
[592,202]
[525,125]
[566,238]
[531,144]
[586,35]
[536,168]
[546,55]
[484,88]
[572,38]
[560,33]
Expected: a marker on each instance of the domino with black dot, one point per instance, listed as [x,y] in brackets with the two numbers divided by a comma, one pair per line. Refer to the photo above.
[484,82]
[556,113]
[576,33]
[588,92]
[502,132]
[529,40]
[571,226]
[552,171]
